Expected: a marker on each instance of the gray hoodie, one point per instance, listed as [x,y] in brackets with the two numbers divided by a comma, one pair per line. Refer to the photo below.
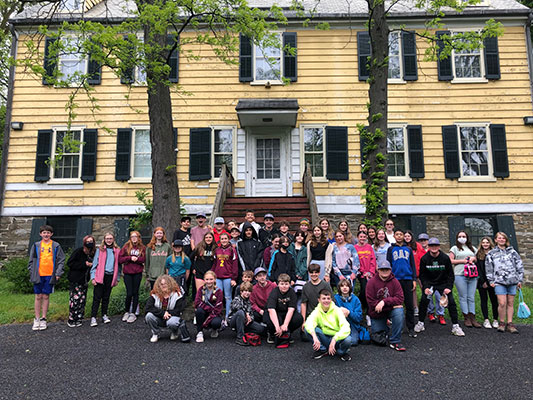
[504,266]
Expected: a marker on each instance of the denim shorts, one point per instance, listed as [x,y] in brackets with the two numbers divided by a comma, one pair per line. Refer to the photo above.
[505,289]
[44,286]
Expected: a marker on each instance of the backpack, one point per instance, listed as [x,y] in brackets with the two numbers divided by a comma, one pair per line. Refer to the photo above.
[253,339]
[380,338]
[283,341]
[364,336]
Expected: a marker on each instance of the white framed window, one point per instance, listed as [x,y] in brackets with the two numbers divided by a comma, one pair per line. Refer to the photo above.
[223,147]
[468,65]
[72,62]
[313,149]
[397,153]
[66,155]
[475,151]
[395,57]
[141,154]
[71,6]
[268,62]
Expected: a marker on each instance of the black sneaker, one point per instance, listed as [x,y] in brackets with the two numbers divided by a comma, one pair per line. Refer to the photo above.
[71,324]
[397,346]
[319,354]
[241,342]
[346,357]
[270,339]
[412,333]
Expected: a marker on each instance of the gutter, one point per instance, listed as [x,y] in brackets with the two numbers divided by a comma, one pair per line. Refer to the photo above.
[9,110]
[529,48]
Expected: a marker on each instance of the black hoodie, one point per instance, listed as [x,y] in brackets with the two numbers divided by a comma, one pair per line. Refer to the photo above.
[250,251]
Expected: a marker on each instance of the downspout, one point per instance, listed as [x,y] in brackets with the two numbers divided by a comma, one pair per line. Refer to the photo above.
[529,48]
[9,109]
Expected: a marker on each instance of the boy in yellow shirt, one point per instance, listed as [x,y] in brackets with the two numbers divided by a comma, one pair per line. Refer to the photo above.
[46,265]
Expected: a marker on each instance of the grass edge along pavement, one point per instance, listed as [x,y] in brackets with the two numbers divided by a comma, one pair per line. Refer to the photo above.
[18,308]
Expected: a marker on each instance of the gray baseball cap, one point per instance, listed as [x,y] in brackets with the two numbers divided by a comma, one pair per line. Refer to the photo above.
[258,270]
[433,242]
[423,236]
[219,220]
[384,264]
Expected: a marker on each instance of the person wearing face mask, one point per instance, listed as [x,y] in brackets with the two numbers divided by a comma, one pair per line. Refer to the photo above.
[79,264]
[283,262]
[463,253]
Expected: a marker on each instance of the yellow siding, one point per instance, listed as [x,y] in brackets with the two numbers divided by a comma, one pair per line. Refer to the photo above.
[328,92]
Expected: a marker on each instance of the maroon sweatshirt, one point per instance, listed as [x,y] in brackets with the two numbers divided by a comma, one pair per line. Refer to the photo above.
[129,266]
[260,294]
[390,291]
[226,263]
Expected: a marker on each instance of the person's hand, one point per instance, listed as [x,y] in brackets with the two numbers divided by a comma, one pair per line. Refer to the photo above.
[88,263]
[326,278]
[233,283]
[316,344]
[57,278]
[248,319]
[292,283]
[93,282]
[519,285]
[427,291]
[166,315]
[352,276]
[278,331]
[379,306]
[484,286]
[493,285]
[332,349]
[284,328]
[414,286]
[262,312]
[134,258]
[446,291]
[345,311]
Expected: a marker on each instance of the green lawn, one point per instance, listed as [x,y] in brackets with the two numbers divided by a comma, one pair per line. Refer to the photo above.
[16,308]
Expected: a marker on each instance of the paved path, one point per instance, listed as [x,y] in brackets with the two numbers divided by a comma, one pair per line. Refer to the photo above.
[118,361]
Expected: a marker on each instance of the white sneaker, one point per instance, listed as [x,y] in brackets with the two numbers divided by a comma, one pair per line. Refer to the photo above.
[419,327]
[457,331]
[138,310]
[416,311]
[105,319]
[42,324]
[131,319]
[495,324]
[93,322]
[200,337]
[36,324]
[368,321]
[154,338]
[486,324]
[214,333]
[125,316]
[174,335]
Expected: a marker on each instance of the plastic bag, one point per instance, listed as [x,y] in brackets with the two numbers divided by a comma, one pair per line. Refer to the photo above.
[523,309]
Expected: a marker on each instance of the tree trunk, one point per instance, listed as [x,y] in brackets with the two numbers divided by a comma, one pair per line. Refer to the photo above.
[166,211]
[376,181]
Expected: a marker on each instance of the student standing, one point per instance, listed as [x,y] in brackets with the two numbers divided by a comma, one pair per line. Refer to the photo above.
[249,248]
[463,253]
[267,232]
[410,241]
[319,251]
[486,291]
[327,229]
[344,258]
[46,265]
[389,231]
[283,262]
[208,307]
[367,268]
[345,228]
[505,273]
[79,265]
[157,252]
[183,233]
[226,269]
[132,257]
[284,231]
[371,234]
[202,258]
[198,232]
[104,276]
[299,252]
[381,246]
[270,251]
[219,229]
[178,265]
[250,218]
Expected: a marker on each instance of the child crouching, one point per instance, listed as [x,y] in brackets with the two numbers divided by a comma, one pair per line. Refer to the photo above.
[241,317]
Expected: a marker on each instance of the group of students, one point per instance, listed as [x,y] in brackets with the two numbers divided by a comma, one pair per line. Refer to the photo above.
[263,281]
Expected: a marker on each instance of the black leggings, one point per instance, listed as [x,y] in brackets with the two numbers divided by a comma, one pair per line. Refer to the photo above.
[133,283]
[102,292]
[201,315]
[407,287]
[484,295]
[362,293]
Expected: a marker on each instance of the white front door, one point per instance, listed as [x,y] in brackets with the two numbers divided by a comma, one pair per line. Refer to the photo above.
[268,165]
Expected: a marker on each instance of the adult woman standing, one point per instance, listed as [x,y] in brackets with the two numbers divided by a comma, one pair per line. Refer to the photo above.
[505,273]
[157,251]
[484,288]
[79,264]
[319,252]
[463,253]
[132,257]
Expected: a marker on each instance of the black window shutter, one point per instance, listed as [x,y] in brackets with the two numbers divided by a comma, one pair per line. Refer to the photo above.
[337,152]
[506,225]
[362,144]
[450,146]
[290,64]
[84,227]
[245,59]
[36,223]
[173,60]
[418,225]
[88,157]
[364,50]
[175,138]
[416,151]
[44,151]
[200,154]
[122,230]
[444,66]
[455,224]
[492,58]
[123,156]
[500,160]
[50,63]
[94,72]
[127,75]
[410,71]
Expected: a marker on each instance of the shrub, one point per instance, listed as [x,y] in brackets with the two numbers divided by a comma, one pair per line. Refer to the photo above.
[16,273]
[118,298]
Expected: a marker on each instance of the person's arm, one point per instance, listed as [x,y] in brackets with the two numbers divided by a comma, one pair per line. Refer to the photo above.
[275,321]
[389,255]
[217,309]
[198,298]
[356,313]
[288,317]
[328,261]
[292,269]
[519,266]
[371,295]
[356,262]
[151,308]
[187,263]
[75,260]
[308,254]
[303,310]
[450,276]
[123,256]
[32,256]
[396,295]
[179,307]
[142,256]
[148,259]
[489,269]
[167,265]
[95,263]
[412,263]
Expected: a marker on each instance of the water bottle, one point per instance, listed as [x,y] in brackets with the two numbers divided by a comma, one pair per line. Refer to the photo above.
[430,292]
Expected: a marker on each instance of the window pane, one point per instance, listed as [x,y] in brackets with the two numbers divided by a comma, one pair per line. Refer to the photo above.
[267,70]
[474,151]
[224,140]
[142,166]
[313,139]
[142,141]
[479,227]
[467,66]
[394,56]
[223,159]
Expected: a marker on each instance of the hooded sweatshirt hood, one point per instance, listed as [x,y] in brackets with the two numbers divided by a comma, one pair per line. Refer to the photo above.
[245,226]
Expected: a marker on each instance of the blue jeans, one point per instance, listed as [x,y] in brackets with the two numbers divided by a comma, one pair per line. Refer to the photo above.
[342,346]
[396,316]
[354,337]
[225,286]
[466,288]
[431,305]
[509,290]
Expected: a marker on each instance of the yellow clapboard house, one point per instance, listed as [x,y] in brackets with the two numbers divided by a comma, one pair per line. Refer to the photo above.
[460,144]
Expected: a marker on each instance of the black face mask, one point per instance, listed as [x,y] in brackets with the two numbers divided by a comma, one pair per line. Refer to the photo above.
[284,246]
[89,245]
